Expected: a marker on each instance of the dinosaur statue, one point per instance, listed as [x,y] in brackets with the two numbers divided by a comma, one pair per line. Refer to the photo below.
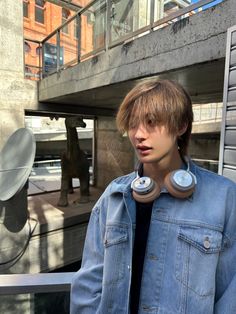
[74,164]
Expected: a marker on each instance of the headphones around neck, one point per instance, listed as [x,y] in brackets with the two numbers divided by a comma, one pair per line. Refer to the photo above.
[179,183]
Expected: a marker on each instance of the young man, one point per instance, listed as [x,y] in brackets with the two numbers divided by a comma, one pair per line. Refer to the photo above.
[162,239]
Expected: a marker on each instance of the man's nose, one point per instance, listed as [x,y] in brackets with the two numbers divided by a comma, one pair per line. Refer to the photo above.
[141,133]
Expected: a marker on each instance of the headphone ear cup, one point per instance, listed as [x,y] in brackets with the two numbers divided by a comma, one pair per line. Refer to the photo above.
[181,192]
[147,197]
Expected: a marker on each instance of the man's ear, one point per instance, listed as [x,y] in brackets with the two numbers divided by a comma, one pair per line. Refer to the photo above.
[183,130]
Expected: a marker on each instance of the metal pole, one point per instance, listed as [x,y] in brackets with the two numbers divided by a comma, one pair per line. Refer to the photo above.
[152,11]
[40,65]
[58,50]
[94,149]
[108,23]
[79,26]
[43,61]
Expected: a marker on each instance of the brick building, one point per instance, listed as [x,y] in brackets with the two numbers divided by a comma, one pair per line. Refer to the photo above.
[40,19]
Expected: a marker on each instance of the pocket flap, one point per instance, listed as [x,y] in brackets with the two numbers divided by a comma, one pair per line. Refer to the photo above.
[204,239]
[115,235]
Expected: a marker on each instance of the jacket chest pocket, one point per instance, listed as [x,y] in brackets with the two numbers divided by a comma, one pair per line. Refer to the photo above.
[197,253]
[115,244]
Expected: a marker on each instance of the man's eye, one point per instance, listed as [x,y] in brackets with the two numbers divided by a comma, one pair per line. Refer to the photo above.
[132,125]
[150,122]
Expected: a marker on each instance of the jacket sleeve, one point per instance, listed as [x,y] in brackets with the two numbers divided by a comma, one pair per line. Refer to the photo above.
[86,285]
[225,301]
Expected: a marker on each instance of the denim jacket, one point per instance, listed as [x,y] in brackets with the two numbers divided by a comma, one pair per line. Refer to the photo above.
[190,261]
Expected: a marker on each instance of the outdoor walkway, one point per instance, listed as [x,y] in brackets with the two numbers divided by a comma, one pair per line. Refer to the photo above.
[50,217]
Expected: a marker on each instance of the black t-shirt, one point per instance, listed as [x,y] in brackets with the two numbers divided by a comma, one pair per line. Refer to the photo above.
[143,216]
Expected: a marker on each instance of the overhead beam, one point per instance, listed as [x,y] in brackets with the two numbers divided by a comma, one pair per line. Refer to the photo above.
[48,109]
[66,4]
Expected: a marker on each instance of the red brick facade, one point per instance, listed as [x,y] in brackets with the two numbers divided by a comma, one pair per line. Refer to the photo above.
[53,18]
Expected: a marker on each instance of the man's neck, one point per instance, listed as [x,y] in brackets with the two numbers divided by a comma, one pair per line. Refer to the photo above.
[159,169]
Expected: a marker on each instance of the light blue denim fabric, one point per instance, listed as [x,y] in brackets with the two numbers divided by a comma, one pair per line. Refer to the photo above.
[190,263]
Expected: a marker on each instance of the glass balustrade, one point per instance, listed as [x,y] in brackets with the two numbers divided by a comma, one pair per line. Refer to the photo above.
[102,24]
[93,28]
[68,38]
[52,55]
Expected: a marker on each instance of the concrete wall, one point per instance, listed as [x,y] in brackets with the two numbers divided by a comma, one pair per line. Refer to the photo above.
[114,153]
[205,147]
[16,93]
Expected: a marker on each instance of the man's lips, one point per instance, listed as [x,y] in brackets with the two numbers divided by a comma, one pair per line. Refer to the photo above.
[143,149]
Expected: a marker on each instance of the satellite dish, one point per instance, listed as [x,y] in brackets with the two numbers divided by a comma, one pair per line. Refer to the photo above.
[16,161]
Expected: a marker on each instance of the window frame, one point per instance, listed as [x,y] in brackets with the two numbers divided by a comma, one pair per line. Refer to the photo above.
[26,8]
[27,47]
[40,8]
[65,29]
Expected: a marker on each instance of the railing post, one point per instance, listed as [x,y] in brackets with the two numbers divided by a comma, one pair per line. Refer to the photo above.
[160,9]
[43,60]
[40,56]
[108,24]
[58,50]
[79,26]
[152,12]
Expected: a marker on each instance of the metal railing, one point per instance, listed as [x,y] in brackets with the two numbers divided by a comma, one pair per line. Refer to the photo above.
[35,283]
[33,58]
[103,24]
[204,113]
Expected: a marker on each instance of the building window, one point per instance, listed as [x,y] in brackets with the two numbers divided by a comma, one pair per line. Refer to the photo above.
[38,51]
[27,47]
[65,16]
[26,8]
[39,11]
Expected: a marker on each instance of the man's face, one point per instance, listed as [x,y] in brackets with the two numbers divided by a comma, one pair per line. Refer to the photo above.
[152,144]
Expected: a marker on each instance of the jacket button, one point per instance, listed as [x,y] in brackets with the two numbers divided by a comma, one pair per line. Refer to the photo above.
[206,243]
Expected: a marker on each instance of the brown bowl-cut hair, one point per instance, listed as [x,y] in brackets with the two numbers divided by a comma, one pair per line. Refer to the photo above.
[158,102]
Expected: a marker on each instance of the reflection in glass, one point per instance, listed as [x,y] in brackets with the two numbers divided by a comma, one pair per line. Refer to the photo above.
[93,30]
